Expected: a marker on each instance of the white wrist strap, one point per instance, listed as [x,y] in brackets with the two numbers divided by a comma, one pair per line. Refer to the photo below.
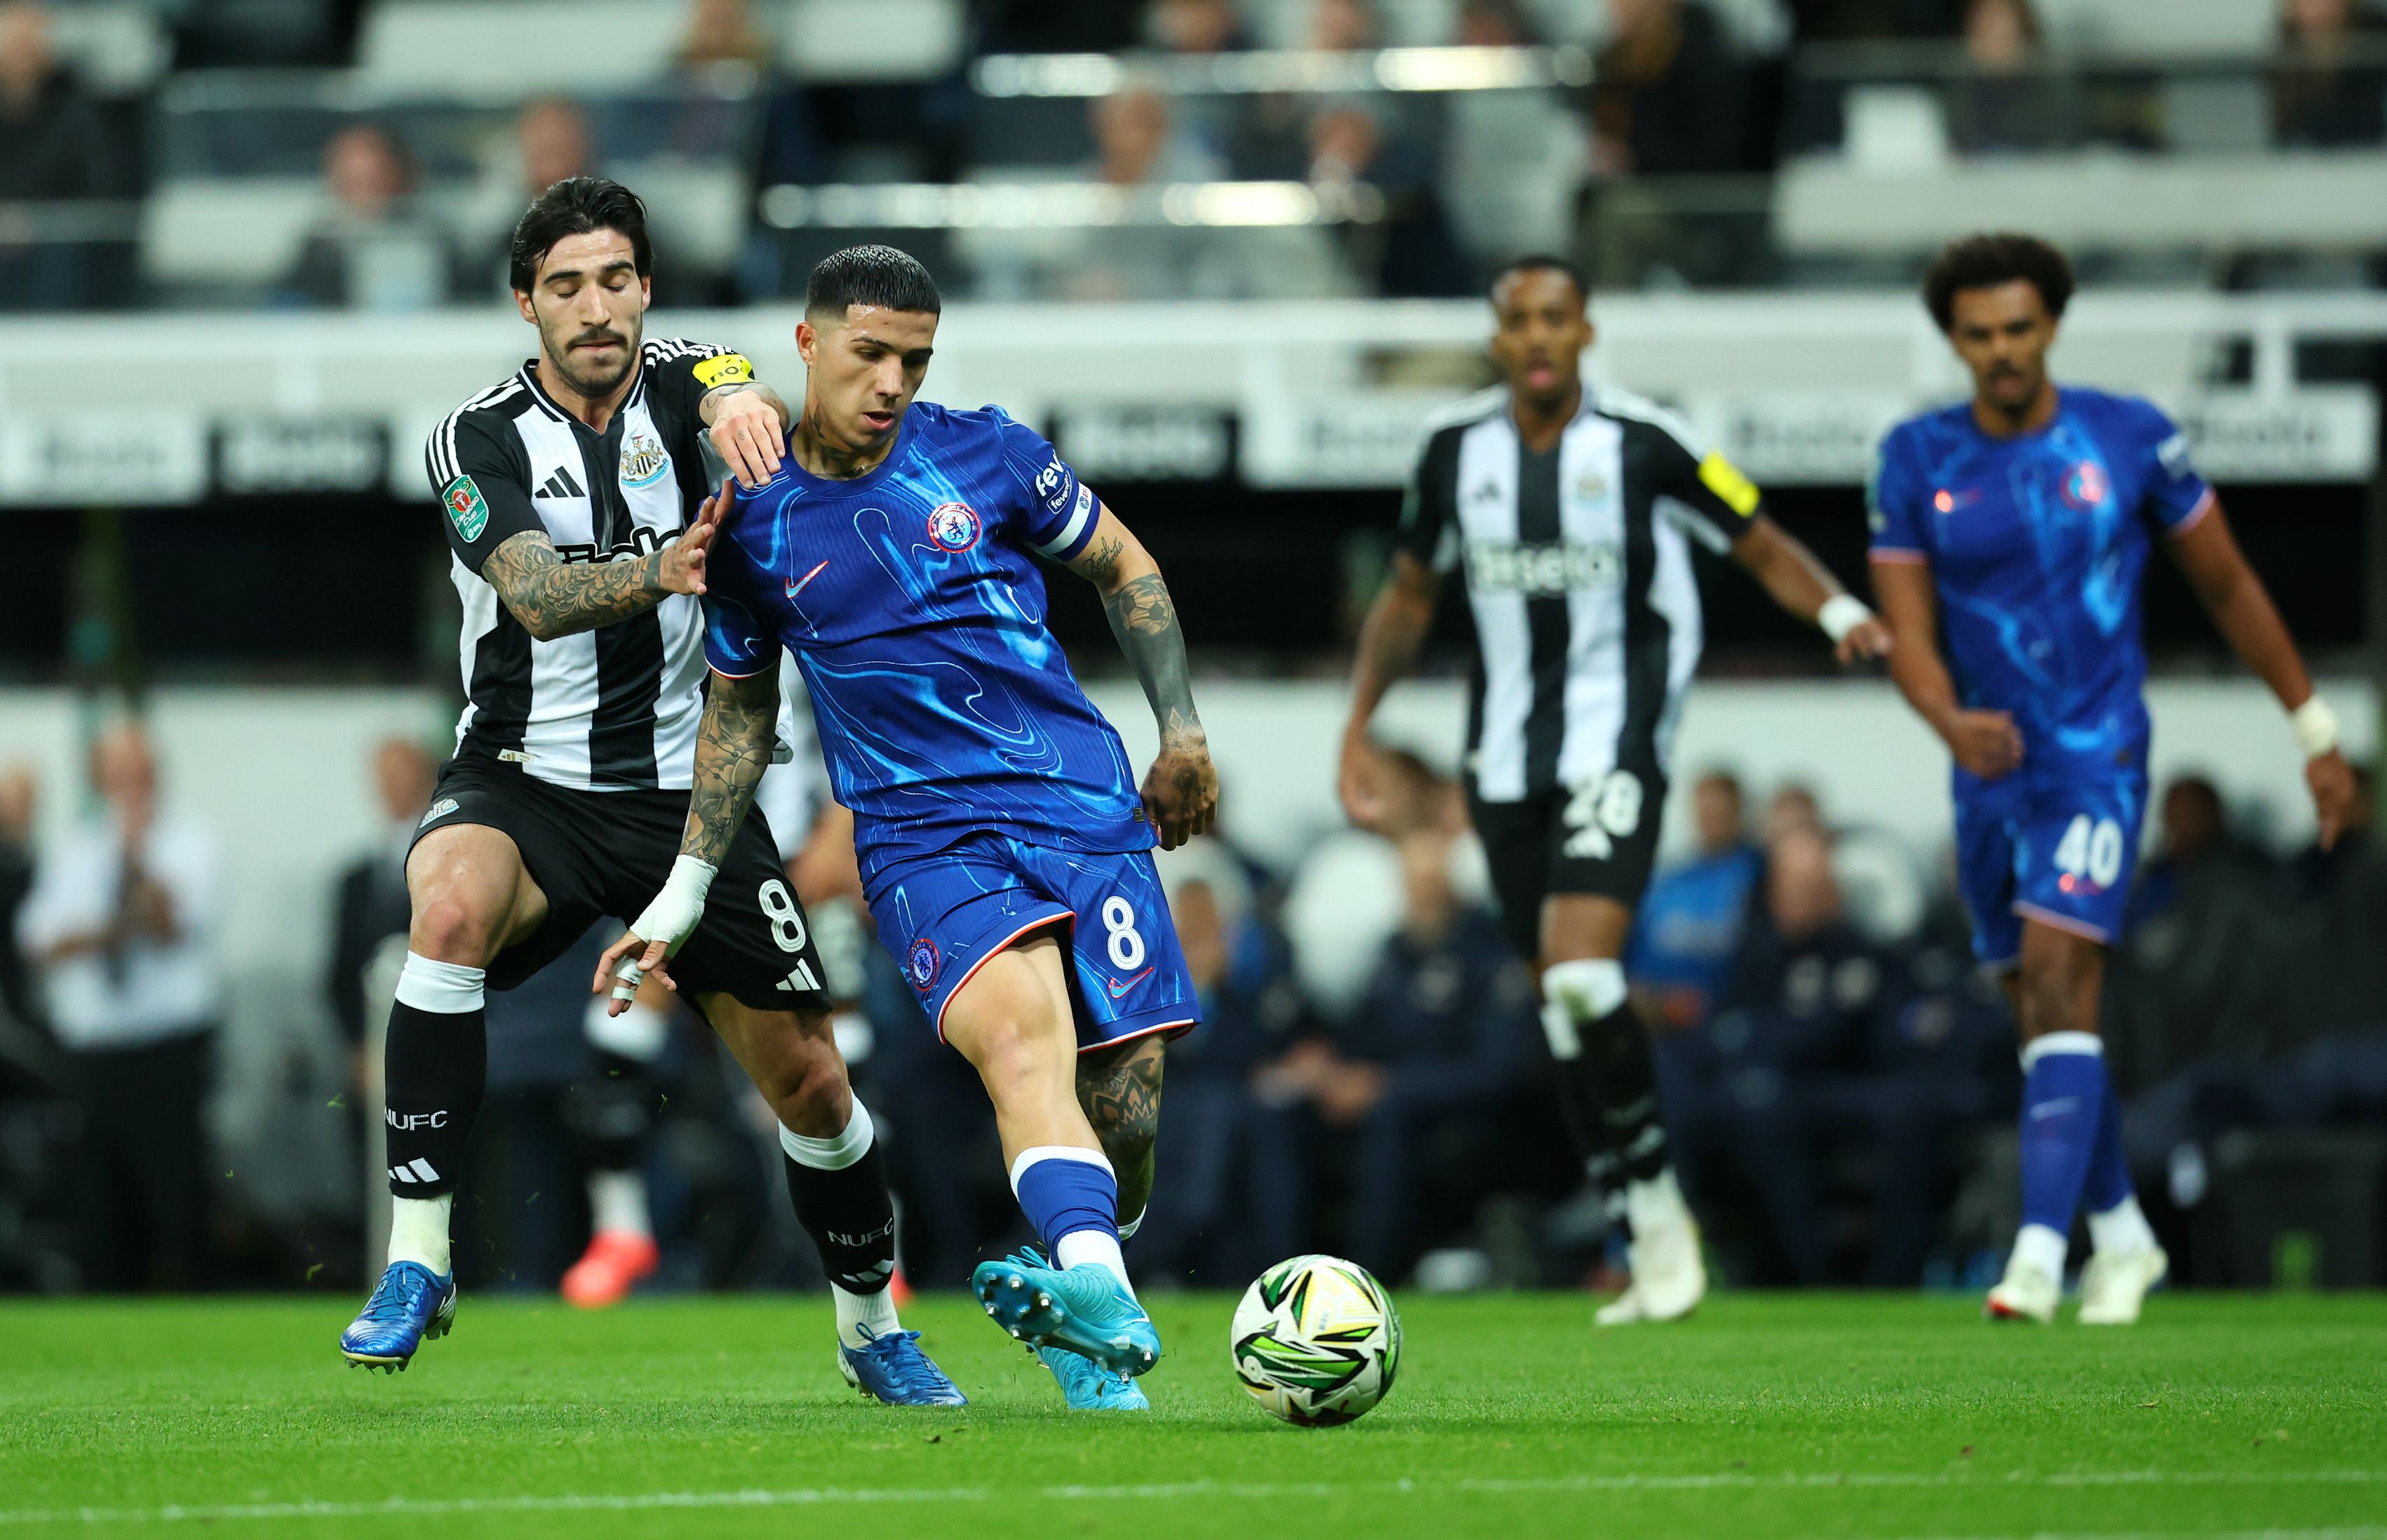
[670,918]
[2316,728]
[1842,613]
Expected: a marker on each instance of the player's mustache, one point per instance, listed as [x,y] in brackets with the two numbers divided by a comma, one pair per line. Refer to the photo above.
[587,337]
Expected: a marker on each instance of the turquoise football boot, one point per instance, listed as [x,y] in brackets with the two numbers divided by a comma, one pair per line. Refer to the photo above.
[1088,1386]
[1084,1310]
[411,1305]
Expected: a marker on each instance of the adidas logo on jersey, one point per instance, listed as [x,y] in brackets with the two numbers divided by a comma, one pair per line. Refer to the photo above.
[560,484]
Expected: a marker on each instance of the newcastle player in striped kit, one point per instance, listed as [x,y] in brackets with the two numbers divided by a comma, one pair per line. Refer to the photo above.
[1571,509]
[565,492]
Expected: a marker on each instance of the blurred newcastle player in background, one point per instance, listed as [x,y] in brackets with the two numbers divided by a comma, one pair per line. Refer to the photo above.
[2017,524]
[1005,849]
[1571,509]
[566,490]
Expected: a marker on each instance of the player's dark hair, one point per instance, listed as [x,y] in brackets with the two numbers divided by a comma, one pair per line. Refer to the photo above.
[574,207]
[876,275]
[1542,262]
[1986,261]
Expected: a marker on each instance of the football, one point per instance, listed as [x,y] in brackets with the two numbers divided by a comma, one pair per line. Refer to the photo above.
[1316,1340]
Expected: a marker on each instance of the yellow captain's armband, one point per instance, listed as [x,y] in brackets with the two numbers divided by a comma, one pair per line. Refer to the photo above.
[729,369]
[1723,479]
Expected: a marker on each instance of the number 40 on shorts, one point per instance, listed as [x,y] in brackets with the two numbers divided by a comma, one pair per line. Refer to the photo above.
[2091,849]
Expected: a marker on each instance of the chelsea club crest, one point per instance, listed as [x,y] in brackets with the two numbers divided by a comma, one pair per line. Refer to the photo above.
[922,964]
[954,526]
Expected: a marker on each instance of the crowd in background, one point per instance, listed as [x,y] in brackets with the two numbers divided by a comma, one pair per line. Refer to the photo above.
[1838,1078]
[1678,89]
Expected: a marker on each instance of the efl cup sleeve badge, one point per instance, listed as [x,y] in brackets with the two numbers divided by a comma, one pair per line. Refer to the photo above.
[643,462]
[921,963]
[466,509]
[954,526]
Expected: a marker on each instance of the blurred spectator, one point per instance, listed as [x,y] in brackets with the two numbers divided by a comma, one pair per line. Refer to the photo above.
[1346,26]
[121,925]
[1777,1085]
[1411,254]
[554,143]
[1137,146]
[1794,808]
[1196,1227]
[1198,26]
[372,250]
[16,792]
[2330,86]
[722,32]
[2192,978]
[1496,24]
[372,905]
[552,134]
[1401,1106]
[1668,93]
[57,146]
[2316,873]
[1689,926]
[2005,101]
[58,151]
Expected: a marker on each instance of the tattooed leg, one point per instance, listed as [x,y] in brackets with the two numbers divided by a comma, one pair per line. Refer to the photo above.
[1120,1089]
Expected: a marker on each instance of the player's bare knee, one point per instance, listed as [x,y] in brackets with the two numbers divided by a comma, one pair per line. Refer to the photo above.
[2048,995]
[450,928]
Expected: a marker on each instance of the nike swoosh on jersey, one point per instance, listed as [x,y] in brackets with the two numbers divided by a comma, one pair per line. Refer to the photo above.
[1119,989]
[798,585]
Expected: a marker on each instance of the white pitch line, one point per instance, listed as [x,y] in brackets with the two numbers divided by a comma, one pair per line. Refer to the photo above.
[421,1507]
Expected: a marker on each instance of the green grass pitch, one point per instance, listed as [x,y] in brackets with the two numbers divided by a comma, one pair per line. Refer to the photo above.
[1788,1416]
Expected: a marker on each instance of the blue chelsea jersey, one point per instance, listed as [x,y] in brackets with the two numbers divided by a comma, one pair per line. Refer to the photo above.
[2037,547]
[915,614]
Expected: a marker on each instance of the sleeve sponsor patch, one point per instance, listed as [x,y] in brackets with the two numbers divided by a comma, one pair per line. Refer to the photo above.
[466,509]
[1723,479]
[725,369]
[2172,453]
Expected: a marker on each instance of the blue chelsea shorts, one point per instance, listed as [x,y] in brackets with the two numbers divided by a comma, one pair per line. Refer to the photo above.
[2056,847]
[943,916]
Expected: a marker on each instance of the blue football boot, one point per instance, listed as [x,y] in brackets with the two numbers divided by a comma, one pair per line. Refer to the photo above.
[409,1306]
[892,1368]
[1083,1309]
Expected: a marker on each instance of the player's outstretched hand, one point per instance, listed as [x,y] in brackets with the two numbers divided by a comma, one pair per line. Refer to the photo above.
[1986,743]
[1868,638]
[2331,780]
[1181,792]
[683,560]
[746,432]
[625,963]
[1359,782]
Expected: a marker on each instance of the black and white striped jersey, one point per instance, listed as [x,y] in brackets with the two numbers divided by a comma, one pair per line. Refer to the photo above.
[615,708]
[1579,573]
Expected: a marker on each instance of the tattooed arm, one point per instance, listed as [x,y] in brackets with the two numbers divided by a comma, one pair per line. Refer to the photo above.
[1181,794]
[552,597]
[733,748]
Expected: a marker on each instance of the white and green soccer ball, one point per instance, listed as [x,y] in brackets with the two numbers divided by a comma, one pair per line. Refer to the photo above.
[1316,1340]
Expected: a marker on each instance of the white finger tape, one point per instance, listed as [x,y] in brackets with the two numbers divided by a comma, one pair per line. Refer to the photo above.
[627,978]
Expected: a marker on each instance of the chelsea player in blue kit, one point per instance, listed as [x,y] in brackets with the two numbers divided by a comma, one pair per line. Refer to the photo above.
[2018,525]
[1005,848]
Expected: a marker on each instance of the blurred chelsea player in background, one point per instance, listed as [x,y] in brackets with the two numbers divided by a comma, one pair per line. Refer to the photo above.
[2021,522]
[1005,848]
